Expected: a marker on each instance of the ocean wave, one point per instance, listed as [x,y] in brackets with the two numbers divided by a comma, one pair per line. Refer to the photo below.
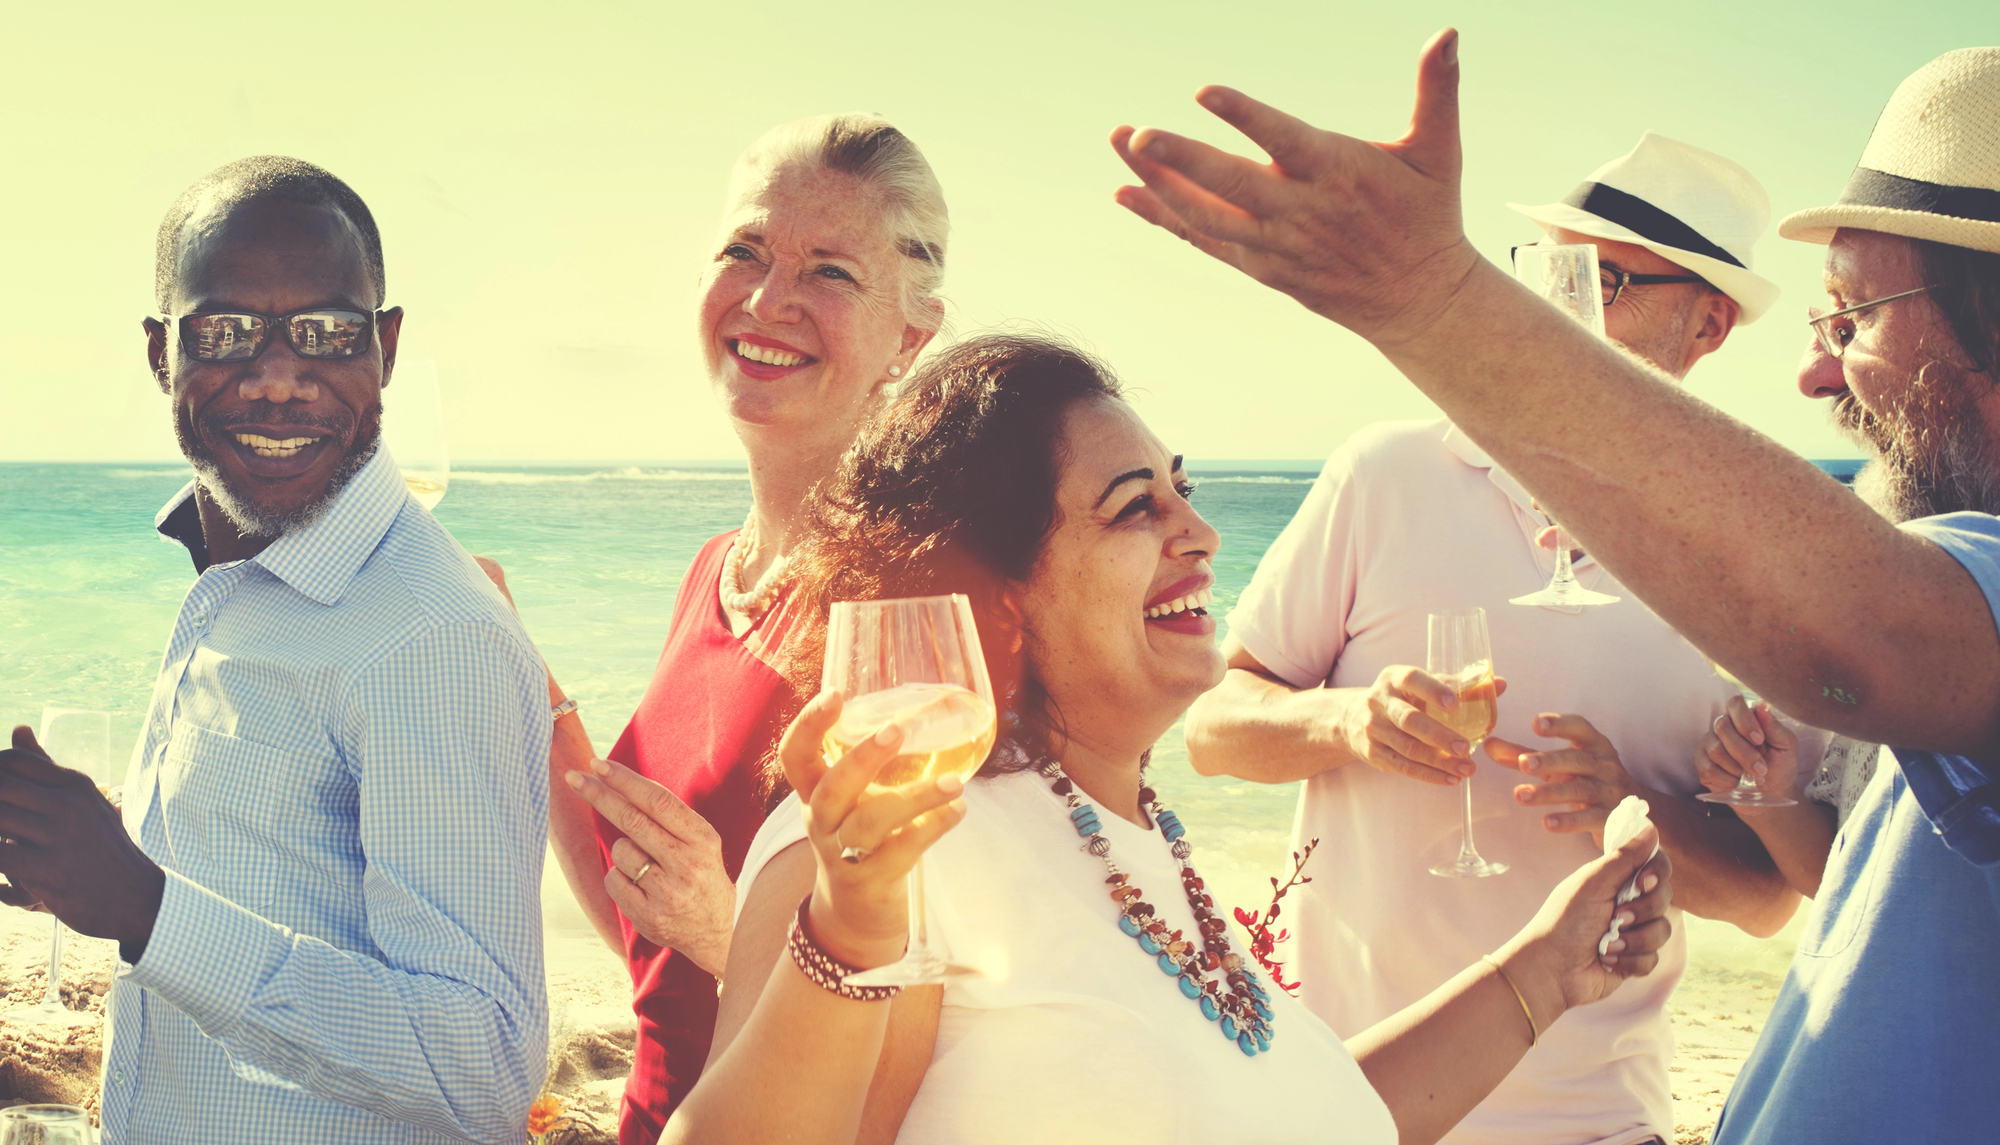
[165,470]
[627,473]
[1251,479]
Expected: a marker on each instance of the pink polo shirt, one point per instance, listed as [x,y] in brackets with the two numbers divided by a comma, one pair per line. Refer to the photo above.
[1409,518]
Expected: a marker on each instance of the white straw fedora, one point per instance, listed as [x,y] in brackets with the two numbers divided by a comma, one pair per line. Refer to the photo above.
[1932,167]
[1691,207]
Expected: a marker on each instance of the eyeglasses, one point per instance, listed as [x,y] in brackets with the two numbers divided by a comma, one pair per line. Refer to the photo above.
[239,337]
[1835,334]
[1613,279]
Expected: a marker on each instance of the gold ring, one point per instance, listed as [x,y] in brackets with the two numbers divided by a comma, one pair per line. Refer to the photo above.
[642,872]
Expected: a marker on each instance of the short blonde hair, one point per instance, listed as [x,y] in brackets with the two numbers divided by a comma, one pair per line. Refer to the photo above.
[871,149]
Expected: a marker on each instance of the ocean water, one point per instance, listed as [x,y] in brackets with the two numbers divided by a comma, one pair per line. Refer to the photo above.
[594,557]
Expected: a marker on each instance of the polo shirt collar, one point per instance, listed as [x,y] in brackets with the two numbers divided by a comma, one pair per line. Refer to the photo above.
[1463,448]
[320,560]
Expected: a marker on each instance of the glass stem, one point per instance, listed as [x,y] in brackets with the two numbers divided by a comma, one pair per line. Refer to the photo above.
[919,925]
[1466,847]
[53,996]
[1564,574]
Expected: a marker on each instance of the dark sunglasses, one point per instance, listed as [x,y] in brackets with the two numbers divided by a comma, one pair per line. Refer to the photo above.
[223,336]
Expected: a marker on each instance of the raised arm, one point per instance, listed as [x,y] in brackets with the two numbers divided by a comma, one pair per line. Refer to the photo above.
[1835,615]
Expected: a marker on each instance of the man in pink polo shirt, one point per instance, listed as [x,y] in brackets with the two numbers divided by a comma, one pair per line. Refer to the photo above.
[1410,518]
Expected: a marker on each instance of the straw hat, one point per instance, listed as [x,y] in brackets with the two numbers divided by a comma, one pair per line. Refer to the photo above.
[1691,207]
[1932,166]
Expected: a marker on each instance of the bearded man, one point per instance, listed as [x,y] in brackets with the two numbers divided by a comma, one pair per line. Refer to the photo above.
[326,884]
[1889,1021]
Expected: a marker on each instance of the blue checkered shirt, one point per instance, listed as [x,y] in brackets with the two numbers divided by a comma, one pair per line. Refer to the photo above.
[344,773]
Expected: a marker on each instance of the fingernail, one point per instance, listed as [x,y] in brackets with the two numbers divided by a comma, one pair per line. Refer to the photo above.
[1208,98]
[1531,763]
[1448,702]
[1542,724]
[1624,919]
[600,766]
[889,734]
[1549,821]
[951,783]
[1465,768]
[1150,144]
[1616,945]
[574,779]
[1648,883]
[1760,767]
[956,805]
[1461,747]
[1451,49]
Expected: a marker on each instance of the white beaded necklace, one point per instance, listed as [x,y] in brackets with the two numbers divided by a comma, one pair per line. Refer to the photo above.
[753,602]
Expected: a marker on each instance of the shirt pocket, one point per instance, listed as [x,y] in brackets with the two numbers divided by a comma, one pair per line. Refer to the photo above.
[233,821]
[1845,905]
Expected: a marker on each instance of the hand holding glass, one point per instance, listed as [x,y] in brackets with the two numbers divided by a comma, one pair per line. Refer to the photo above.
[917,664]
[1746,793]
[1461,656]
[46,1125]
[79,740]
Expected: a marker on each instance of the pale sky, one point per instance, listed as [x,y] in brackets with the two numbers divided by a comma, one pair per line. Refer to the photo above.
[548,177]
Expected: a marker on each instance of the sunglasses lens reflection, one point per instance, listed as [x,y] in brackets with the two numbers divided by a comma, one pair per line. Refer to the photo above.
[330,333]
[224,337]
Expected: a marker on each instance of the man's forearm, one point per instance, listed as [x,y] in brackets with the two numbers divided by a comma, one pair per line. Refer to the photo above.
[1257,728]
[1721,870]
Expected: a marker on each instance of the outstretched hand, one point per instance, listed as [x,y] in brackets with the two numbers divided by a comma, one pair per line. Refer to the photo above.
[66,850]
[1559,948]
[860,912]
[1369,235]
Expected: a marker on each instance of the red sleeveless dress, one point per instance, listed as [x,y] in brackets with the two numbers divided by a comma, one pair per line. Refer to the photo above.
[707,718]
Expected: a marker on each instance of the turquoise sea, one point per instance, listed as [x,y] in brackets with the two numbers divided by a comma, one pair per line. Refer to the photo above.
[594,556]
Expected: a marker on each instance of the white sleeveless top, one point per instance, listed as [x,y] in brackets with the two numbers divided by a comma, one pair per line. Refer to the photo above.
[1072,1033]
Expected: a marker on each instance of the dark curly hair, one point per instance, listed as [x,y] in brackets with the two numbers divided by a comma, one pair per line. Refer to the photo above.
[952,488]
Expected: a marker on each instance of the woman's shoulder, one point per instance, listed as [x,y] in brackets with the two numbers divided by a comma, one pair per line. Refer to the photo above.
[784,826]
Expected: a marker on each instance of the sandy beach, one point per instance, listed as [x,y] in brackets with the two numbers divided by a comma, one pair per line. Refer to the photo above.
[1717,1012]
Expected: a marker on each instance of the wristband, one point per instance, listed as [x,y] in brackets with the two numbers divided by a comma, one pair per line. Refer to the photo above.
[562,709]
[826,971]
[1534,1035]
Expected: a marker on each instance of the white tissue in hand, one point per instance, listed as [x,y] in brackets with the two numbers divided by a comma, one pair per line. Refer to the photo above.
[1621,827]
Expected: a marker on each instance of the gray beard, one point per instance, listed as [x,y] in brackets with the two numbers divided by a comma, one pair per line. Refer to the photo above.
[1932,456]
[256,522]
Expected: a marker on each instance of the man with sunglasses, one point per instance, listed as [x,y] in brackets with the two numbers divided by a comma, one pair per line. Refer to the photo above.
[1888,1024]
[1325,652]
[326,883]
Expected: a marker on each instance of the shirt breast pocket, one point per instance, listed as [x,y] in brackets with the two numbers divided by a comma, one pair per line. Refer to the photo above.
[236,814]
[1857,851]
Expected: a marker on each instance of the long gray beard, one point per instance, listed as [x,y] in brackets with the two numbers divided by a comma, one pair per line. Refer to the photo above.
[255,521]
[1932,456]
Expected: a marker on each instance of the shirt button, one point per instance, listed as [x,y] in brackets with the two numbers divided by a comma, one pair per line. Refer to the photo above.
[199,618]
[118,1077]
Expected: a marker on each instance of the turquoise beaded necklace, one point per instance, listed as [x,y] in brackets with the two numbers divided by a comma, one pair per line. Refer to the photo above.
[1241,1008]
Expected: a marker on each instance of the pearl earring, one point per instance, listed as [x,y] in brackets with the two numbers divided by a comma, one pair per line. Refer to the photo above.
[895,371]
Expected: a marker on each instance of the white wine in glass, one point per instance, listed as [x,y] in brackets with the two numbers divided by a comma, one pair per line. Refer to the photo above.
[79,740]
[917,664]
[413,430]
[1461,656]
[1746,793]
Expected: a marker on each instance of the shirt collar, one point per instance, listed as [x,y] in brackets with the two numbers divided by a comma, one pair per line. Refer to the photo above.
[321,559]
[1463,448]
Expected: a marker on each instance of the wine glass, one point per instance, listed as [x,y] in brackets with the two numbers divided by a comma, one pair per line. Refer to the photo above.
[79,740]
[413,430]
[917,664]
[1567,277]
[1746,793]
[1461,656]
[45,1125]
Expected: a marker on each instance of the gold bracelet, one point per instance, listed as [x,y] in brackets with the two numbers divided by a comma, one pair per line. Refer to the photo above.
[1534,1035]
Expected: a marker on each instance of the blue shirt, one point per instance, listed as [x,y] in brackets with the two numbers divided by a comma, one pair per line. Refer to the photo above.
[1888,1025]
[344,772]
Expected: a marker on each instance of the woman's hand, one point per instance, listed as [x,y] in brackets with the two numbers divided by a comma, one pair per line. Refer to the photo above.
[666,874]
[1554,959]
[1753,740]
[498,576]
[1578,787]
[860,911]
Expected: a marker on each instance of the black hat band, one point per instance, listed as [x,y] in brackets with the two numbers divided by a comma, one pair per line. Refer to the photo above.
[1645,220]
[1871,188]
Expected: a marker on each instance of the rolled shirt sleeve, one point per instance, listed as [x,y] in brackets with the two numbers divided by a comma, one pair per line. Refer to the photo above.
[1961,796]
[444,1024]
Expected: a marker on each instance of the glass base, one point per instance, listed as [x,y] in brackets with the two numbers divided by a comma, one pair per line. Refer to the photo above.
[1746,797]
[1466,866]
[1571,595]
[45,1014]
[917,968]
